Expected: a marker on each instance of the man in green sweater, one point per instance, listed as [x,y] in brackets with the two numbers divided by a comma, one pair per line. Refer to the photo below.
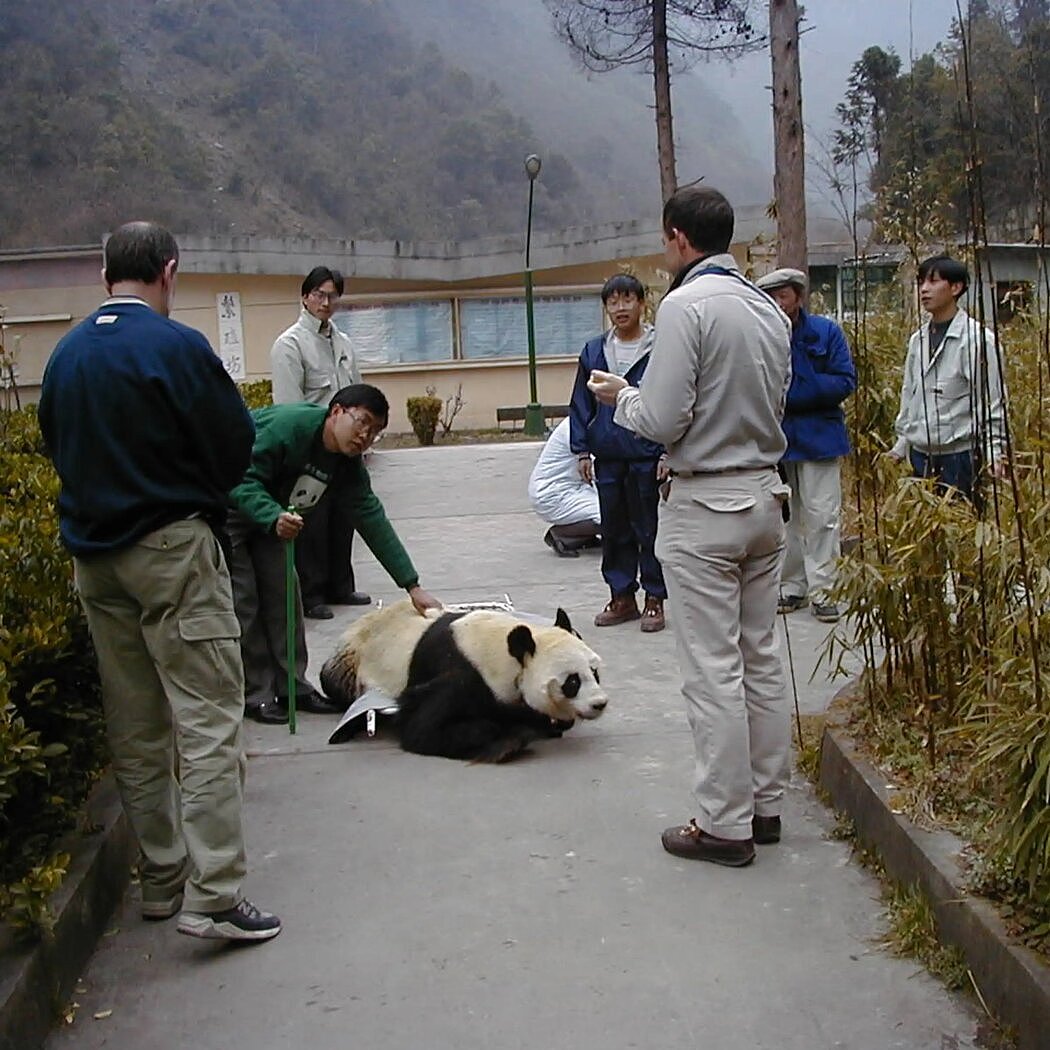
[300,452]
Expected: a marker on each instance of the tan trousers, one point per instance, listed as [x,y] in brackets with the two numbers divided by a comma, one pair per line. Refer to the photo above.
[161,617]
[813,534]
[721,543]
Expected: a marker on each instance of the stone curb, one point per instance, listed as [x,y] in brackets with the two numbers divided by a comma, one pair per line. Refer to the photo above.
[37,980]
[1013,981]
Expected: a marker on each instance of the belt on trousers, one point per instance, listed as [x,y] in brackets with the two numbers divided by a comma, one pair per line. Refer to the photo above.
[717,473]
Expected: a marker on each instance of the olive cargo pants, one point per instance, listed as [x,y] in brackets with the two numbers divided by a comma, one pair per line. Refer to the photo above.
[166,637]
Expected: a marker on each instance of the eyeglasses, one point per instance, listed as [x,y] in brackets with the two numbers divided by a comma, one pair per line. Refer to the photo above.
[323,297]
[366,422]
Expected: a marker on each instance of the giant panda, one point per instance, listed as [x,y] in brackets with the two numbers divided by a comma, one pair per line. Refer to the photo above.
[478,685]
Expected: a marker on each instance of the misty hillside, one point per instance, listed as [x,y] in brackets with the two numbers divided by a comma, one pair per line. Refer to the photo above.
[346,118]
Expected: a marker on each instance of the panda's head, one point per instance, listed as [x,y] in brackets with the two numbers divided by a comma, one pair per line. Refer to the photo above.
[560,674]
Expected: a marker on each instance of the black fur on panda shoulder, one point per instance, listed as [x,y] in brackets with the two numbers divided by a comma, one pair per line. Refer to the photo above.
[447,708]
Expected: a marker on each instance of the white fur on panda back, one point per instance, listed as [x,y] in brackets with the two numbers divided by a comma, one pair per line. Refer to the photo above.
[481,636]
[383,642]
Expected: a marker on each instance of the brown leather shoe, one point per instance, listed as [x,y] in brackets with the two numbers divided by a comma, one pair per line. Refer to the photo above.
[621,609]
[689,841]
[653,615]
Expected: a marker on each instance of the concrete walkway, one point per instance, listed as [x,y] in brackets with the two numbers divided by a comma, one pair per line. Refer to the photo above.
[433,904]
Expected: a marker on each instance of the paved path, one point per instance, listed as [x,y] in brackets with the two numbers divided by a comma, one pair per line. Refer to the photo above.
[432,904]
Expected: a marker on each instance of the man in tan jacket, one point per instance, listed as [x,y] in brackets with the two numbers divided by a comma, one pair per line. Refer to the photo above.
[714,397]
[312,361]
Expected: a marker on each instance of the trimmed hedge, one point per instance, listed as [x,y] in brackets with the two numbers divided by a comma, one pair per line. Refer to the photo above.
[51,727]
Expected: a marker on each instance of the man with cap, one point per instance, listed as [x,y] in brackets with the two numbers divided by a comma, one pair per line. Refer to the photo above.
[822,377]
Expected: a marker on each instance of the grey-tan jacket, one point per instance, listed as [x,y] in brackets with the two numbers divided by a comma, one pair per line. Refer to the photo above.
[951,395]
[718,374]
[310,366]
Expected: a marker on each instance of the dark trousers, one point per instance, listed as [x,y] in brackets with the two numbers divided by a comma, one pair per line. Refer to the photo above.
[257,572]
[322,553]
[954,470]
[628,496]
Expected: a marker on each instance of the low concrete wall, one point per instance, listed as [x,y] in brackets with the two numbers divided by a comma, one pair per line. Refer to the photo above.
[1013,981]
[37,980]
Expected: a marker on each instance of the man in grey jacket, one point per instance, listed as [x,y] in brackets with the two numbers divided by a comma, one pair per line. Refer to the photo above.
[951,420]
[312,361]
[714,397]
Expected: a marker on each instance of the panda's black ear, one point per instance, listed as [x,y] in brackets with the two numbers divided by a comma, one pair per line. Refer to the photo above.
[520,643]
[562,621]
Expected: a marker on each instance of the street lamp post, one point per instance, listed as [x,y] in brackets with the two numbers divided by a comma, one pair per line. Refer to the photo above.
[533,411]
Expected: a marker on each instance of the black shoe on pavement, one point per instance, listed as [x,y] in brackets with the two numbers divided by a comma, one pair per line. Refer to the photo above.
[351,598]
[312,703]
[557,545]
[270,712]
[320,611]
[242,922]
[691,842]
[826,612]
[765,830]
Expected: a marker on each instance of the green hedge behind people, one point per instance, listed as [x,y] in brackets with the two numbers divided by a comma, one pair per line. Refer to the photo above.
[627,468]
[148,433]
[302,455]
[311,361]
[822,377]
[952,418]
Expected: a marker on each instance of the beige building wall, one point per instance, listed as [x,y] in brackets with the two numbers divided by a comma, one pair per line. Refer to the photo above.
[45,297]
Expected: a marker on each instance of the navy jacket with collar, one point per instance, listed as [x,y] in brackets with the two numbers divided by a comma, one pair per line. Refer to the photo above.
[591,426]
[822,377]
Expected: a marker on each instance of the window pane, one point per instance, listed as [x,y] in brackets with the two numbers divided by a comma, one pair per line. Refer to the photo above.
[398,333]
[498,327]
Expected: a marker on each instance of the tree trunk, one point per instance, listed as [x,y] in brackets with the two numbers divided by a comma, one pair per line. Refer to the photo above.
[662,84]
[789,171]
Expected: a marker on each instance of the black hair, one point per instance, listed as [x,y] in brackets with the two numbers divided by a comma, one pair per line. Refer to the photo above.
[703,215]
[318,275]
[947,268]
[625,284]
[138,251]
[362,395]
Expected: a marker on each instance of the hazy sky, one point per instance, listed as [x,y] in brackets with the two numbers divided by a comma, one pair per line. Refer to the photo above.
[836,32]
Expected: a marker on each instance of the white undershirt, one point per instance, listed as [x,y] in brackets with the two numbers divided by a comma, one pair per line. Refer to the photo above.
[620,354]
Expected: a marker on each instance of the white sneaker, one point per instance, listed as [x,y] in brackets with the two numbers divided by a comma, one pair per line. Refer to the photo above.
[242,922]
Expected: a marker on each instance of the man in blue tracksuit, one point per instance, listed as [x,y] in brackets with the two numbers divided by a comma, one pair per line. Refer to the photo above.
[627,469]
[822,377]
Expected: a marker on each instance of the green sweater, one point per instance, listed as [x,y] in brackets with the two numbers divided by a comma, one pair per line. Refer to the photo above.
[288,444]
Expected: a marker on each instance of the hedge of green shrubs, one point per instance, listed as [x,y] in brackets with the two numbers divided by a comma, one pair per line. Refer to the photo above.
[51,728]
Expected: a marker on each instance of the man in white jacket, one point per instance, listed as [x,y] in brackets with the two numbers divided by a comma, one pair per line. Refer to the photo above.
[562,498]
[952,416]
[312,361]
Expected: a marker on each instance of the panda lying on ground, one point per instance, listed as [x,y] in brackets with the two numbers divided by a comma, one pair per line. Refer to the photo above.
[479,685]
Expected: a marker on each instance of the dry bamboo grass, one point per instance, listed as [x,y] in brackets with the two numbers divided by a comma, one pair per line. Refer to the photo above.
[950,607]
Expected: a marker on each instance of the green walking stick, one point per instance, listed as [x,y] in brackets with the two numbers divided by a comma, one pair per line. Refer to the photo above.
[289,599]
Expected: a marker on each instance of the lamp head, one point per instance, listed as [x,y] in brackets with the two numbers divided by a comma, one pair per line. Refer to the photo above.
[532,165]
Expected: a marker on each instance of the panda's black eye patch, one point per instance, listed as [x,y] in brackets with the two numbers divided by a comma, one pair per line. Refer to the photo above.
[594,671]
[571,685]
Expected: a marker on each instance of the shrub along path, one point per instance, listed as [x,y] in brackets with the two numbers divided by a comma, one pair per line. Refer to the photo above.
[431,903]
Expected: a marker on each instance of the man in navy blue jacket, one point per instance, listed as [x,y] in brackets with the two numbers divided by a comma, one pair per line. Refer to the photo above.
[627,469]
[822,377]
[148,433]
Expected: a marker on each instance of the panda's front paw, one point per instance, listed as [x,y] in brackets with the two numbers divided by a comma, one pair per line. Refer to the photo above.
[559,726]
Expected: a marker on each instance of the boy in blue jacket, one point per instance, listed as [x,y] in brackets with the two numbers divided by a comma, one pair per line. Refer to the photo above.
[822,377]
[627,469]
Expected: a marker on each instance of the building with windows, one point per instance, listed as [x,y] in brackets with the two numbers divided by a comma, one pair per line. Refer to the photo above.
[449,316]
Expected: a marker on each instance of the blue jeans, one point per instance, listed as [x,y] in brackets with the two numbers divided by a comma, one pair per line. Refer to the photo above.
[954,470]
